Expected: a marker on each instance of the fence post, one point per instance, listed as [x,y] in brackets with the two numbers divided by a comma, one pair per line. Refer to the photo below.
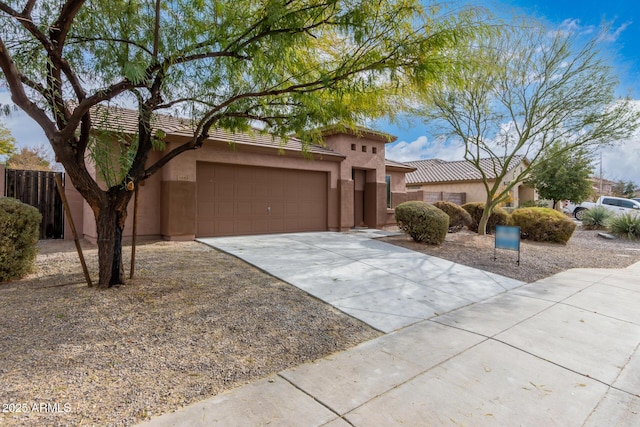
[67,211]
[2,178]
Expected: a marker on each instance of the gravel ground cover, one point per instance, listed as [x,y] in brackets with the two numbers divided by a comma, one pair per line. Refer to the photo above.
[585,249]
[194,322]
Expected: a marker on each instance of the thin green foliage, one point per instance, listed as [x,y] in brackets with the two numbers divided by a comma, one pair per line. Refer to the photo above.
[543,224]
[458,217]
[596,218]
[422,221]
[285,66]
[19,231]
[625,225]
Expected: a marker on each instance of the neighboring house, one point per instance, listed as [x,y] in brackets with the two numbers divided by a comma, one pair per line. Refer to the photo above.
[602,187]
[239,184]
[460,182]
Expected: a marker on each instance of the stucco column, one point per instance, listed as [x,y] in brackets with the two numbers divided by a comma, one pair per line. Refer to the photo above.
[178,201]
[346,204]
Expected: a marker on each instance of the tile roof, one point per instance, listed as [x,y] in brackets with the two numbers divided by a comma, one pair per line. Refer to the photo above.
[437,170]
[125,120]
[397,165]
[359,131]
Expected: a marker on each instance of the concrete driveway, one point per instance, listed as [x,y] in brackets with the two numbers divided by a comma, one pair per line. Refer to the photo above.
[563,351]
[385,286]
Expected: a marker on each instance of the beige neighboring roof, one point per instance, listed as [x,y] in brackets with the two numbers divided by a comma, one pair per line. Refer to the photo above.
[437,171]
[116,119]
[402,167]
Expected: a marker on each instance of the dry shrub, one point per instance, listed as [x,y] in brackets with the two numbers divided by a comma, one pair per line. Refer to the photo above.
[19,232]
[498,216]
[423,222]
[458,217]
[543,224]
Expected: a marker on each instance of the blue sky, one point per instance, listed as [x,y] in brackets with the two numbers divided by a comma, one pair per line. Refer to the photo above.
[413,143]
[622,42]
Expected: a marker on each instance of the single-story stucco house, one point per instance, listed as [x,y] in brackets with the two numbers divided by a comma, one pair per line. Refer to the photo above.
[240,184]
[460,182]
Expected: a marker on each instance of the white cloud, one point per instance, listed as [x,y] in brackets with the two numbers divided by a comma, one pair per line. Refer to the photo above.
[422,148]
[622,162]
[613,36]
[573,26]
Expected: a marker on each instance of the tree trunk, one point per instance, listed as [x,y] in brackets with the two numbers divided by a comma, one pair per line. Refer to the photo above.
[482,225]
[109,227]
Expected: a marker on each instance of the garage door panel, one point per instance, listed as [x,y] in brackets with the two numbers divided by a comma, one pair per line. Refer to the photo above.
[223,209]
[236,200]
[242,208]
[223,192]
[221,227]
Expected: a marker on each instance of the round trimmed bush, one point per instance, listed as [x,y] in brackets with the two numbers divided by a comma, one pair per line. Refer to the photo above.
[458,217]
[498,216]
[19,232]
[422,221]
[543,224]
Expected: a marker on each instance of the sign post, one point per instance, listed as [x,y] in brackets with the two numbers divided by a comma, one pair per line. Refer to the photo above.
[507,237]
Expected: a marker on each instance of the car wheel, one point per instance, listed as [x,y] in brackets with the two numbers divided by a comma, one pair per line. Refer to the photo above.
[579,213]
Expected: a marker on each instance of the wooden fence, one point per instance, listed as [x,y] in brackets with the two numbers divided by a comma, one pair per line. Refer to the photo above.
[437,196]
[38,189]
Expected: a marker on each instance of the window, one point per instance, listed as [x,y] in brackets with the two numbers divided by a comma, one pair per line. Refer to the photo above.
[387,179]
[374,150]
[353,147]
[364,148]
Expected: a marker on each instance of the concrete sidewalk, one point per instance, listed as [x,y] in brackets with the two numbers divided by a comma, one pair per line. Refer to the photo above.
[561,351]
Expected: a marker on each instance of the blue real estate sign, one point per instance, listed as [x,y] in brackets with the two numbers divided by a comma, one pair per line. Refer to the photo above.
[507,237]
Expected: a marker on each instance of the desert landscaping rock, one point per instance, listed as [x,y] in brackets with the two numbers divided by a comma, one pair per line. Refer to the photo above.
[195,322]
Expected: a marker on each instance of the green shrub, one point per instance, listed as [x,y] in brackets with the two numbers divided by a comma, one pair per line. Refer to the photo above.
[458,217]
[625,225]
[543,224]
[533,204]
[596,218]
[422,221]
[19,232]
[498,216]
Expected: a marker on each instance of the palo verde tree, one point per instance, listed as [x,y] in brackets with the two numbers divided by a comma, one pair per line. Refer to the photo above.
[563,174]
[522,89]
[291,65]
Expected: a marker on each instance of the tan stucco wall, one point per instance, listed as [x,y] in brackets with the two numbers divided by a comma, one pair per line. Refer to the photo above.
[181,222]
[475,190]
[76,206]
[168,203]
[398,194]
[360,156]
[148,209]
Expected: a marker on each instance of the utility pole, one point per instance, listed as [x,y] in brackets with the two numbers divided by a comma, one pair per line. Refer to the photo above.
[601,173]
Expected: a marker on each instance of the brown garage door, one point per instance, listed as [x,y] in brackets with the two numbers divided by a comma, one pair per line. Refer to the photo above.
[237,200]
